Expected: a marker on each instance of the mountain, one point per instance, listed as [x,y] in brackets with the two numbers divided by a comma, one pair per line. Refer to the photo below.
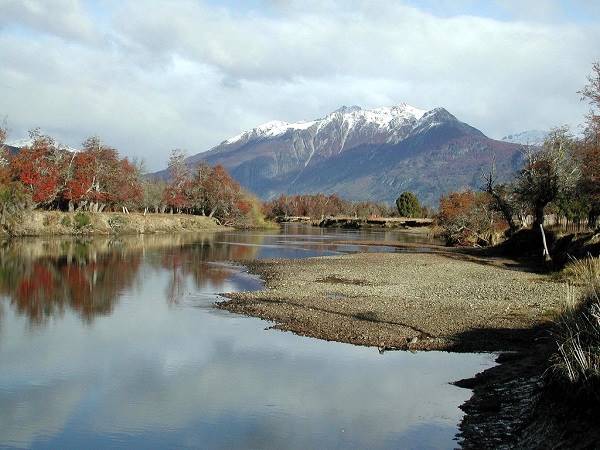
[364,154]
[28,142]
[529,137]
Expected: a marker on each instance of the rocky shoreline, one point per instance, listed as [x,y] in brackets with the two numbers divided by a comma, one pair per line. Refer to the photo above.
[436,299]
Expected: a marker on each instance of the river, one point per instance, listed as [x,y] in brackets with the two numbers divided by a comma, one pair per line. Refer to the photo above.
[114,343]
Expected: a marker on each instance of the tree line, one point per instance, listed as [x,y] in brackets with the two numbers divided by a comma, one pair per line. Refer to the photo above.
[96,178]
[562,178]
[320,205]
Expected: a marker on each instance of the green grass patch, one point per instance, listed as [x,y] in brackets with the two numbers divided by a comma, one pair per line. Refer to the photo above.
[66,221]
[81,220]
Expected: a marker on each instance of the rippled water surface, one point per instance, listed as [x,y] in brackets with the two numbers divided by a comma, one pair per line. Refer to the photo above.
[114,343]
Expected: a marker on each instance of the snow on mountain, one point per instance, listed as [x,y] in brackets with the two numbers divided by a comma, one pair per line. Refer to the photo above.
[385,118]
[28,142]
[363,154]
[528,137]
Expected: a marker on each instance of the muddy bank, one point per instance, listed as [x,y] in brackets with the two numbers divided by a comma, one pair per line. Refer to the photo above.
[417,301]
[56,223]
[515,405]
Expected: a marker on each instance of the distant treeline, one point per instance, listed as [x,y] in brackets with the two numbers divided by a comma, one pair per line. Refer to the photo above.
[320,205]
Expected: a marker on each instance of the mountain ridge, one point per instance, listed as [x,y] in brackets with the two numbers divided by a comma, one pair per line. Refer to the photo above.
[363,154]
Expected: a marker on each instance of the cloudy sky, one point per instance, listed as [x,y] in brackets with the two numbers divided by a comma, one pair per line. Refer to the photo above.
[149,76]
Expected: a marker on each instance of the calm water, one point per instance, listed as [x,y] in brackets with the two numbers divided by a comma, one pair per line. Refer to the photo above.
[113,343]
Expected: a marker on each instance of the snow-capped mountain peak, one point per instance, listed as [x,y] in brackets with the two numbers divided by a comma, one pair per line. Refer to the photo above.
[269,129]
[346,116]
[362,154]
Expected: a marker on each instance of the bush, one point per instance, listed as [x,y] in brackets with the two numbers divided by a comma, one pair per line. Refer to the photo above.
[81,220]
[467,219]
[577,335]
[582,271]
[408,205]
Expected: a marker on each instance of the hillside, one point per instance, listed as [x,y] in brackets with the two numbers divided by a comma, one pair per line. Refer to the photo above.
[364,154]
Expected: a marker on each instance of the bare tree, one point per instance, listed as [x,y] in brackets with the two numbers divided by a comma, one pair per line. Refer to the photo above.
[503,199]
[548,173]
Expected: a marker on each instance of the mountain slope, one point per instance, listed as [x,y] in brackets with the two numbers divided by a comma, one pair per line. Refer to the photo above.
[364,154]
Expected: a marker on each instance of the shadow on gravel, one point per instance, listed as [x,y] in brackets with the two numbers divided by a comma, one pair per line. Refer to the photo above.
[500,339]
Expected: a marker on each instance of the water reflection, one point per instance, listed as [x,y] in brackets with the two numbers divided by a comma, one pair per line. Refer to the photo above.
[131,355]
[42,277]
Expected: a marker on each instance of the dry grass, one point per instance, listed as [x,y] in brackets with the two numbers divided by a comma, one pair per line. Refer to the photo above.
[577,333]
[52,223]
[581,271]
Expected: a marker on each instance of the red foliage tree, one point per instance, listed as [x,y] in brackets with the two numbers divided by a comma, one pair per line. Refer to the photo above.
[41,169]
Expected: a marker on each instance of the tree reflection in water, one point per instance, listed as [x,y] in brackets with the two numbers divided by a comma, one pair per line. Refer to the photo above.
[197,260]
[43,278]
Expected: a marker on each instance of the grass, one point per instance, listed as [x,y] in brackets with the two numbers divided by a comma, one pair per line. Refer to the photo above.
[577,331]
[81,220]
[117,222]
[65,221]
[581,271]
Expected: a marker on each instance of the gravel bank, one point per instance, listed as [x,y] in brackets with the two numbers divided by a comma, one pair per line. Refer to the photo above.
[420,301]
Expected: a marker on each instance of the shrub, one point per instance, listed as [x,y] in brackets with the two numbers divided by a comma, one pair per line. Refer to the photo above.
[467,219]
[408,205]
[81,220]
[577,334]
[582,271]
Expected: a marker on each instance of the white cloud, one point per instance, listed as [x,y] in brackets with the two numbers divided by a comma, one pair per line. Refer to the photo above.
[190,74]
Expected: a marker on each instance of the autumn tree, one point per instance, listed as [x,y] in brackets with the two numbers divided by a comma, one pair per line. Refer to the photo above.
[41,169]
[13,198]
[278,207]
[125,190]
[199,190]
[98,178]
[222,191]
[467,218]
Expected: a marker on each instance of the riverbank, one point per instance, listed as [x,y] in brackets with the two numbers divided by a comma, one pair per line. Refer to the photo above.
[437,298]
[57,223]
[416,301]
